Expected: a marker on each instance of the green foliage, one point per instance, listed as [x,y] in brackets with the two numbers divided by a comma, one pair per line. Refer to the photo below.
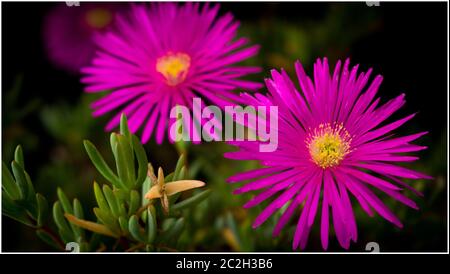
[19,200]
[122,212]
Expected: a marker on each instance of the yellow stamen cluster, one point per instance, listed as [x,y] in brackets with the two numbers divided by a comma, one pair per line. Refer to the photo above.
[328,144]
[174,67]
[98,18]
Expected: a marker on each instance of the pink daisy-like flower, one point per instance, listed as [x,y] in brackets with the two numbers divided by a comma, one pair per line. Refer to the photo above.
[333,143]
[162,55]
[68,33]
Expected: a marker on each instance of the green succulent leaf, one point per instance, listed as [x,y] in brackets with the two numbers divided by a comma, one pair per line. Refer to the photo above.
[21,180]
[113,143]
[107,219]
[18,156]
[31,203]
[123,222]
[78,212]
[134,202]
[101,165]
[66,235]
[8,183]
[101,201]
[180,164]
[124,162]
[43,211]
[124,130]
[112,200]
[121,194]
[120,166]
[78,209]
[14,211]
[169,178]
[142,160]
[151,224]
[145,188]
[58,216]
[183,173]
[191,201]
[135,229]
[65,203]
[174,231]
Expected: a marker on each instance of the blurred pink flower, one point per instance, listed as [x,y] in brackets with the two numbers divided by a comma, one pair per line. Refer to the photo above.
[68,33]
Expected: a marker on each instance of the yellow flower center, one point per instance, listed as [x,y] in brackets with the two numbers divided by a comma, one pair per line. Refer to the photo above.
[99,18]
[174,67]
[328,144]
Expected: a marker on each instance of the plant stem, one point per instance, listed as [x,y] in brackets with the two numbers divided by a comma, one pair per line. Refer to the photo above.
[141,209]
[136,247]
[54,236]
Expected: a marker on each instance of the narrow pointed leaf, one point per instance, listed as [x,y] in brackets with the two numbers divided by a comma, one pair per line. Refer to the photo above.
[192,201]
[145,188]
[8,183]
[174,231]
[113,143]
[134,202]
[58,217]
[107,219]
[79,213]
[142,160]
[21,180]
[121,167]
[124,130]
[151,225]
[112,200]
[66,235]
[101,201]
[91,226]
[125,154]
[42,209]
[78,209]
[135,229]
[31,197]
[122,195]
[183,173]
[122,210]
[100,164]
[169,178]
[18,156]
[65,203]
[123,224]
[14,211]
[180,164]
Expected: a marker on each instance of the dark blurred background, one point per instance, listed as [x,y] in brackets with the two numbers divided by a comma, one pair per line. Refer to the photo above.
[45,110]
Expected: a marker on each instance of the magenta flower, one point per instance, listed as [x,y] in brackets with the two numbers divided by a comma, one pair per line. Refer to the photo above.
[163,55]
[68,33]
[333,143]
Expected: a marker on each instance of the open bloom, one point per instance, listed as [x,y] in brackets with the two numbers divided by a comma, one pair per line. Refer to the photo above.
[68,33]
[333,143]
[162,55]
